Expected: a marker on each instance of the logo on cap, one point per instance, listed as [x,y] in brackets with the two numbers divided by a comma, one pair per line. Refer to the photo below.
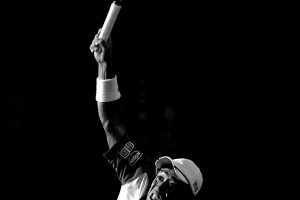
[195,186]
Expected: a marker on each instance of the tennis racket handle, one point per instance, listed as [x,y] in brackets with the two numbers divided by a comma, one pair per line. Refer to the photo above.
[109,21]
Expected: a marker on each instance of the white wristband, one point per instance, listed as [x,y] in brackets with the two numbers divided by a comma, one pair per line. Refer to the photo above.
[107,90]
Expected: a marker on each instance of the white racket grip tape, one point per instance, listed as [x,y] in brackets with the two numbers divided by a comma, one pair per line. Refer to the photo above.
[109,21]
[107,90]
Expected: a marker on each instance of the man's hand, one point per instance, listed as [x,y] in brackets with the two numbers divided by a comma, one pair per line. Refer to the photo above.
[102,49]
[103,54]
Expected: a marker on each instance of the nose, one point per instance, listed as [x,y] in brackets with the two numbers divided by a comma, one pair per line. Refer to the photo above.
[162,186]
[158,190]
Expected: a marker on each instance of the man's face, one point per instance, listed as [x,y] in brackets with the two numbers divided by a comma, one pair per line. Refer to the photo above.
[165,185]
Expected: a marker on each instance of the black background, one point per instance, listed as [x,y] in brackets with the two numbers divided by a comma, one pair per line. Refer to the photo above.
[199,63]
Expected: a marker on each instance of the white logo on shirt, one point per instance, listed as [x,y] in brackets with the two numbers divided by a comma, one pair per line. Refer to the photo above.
[134,157]
[126,150]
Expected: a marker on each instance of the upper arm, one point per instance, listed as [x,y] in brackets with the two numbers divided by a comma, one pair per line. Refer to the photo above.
[112,119]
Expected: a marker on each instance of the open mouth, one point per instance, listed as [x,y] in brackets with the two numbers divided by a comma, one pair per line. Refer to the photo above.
[155,196]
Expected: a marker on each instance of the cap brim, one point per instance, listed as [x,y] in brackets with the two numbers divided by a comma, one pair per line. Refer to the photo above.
[167,162]
[164,162]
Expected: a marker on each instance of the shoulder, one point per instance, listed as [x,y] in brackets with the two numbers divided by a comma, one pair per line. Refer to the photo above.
[130,161]
[135,189]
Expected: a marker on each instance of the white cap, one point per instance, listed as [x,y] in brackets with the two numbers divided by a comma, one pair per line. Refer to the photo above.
[185,169]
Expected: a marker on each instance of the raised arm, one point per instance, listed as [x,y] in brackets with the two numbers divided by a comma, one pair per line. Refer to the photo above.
[108,97]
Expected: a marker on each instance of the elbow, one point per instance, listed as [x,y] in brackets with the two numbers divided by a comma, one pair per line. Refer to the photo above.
[113,130]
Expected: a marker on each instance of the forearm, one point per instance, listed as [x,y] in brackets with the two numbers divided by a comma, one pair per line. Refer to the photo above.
[105,71]
[110,113]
